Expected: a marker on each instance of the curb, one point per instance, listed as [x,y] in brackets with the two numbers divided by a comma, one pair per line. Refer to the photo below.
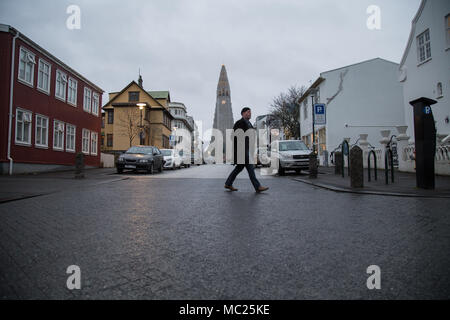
[12,199]
[377,193]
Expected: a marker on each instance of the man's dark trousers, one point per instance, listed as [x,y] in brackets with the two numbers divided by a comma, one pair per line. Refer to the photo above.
[251,173]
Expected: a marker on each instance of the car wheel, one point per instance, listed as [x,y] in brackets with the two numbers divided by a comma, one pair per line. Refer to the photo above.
[281,170]
[150,169]
[119,170]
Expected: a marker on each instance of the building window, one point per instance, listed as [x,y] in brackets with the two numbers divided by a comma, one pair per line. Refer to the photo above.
[72,91]
[87,100]
[41,135]
[44,76]
[95,103]
[110,116]
[61,82]
[102,139]
[70,138]
[424,46]
[23,127]
[94,143]
[447,23]
[305,110]
[26,66]
[166,142]
[86,140]
[58,135]
[439,90]
[133,96]
[109,140]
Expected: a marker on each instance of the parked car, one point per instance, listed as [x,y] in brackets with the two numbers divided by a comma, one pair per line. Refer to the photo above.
[291,154]
[171,158]
[185,159]
[136,158]
[196,159]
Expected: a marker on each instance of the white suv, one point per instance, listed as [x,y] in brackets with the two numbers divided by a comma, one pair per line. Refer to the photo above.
[291,154]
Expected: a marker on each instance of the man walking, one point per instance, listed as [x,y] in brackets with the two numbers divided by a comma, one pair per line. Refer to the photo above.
[244,124]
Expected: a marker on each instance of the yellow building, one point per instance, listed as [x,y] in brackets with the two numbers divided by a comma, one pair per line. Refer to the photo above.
[134,116]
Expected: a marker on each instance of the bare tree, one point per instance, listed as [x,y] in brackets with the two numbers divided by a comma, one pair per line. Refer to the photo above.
[286,108]
[130,124]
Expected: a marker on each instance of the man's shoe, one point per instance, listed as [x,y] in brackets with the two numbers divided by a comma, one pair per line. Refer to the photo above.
[231,188]
[261,189]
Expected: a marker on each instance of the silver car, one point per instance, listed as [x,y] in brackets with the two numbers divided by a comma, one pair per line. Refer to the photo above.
[171,158]
[291,154]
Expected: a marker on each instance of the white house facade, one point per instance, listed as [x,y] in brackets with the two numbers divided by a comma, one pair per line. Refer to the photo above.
[362,98]
[425,66]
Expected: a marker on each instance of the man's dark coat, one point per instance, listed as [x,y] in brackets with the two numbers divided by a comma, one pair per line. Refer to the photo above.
[242,124]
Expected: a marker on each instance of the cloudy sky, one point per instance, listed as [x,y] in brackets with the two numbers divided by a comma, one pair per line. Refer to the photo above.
[180,45]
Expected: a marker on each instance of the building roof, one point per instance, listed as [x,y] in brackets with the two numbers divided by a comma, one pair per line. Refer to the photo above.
[358,63]
[320,79]
[13,31]
[160,94]
[412,32]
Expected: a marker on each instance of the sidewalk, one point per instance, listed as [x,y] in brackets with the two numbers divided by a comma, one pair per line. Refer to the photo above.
[18,187]
[404,184]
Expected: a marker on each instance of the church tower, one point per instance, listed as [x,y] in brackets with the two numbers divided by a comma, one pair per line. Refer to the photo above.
[223,116]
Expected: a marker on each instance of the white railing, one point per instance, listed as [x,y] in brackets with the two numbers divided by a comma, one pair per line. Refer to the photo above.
[378,154]
[408,153]
[443,153]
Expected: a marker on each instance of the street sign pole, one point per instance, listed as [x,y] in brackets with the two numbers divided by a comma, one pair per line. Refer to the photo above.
[313,124]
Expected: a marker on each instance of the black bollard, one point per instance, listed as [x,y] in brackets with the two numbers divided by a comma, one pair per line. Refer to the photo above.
[357,172]
[313,166]
[79,166]
[338,163]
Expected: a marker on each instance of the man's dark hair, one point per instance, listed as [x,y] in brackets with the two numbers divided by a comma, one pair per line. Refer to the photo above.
[244,110]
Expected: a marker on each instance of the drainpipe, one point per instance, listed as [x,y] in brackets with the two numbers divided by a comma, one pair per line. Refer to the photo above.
[11,102]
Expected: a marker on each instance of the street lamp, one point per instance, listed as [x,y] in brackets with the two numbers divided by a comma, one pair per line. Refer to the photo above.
[313,95]
[141,134]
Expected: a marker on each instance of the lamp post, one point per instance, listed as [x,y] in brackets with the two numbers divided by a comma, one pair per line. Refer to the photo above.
[313,94]
[141,133]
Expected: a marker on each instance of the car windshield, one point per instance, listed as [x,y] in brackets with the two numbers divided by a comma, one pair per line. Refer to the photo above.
[140,150]
[166,152]
[293,145]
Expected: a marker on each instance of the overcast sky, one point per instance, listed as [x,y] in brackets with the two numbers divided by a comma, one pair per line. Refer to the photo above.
[180,45]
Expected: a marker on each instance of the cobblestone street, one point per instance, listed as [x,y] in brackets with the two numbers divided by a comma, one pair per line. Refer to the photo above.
[181,235]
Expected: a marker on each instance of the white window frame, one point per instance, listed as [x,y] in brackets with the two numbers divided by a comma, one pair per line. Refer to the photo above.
[83,138]
[447,31]
[68,146]
[95,103]
[422,37]
[29,121]
[40,75]
[30,60]
[40,128]
[72,100]
[87,99]
[58,126]
[61,77]
[94,140]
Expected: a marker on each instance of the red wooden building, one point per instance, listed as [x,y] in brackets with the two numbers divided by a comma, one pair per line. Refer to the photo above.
[48,111]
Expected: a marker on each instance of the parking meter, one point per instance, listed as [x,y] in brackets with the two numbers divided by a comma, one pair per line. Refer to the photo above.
[425,140]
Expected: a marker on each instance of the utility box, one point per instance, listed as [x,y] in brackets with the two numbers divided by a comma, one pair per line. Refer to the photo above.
[425,140]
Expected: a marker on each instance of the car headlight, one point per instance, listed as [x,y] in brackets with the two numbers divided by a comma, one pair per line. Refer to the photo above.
[143,161]
[286,156]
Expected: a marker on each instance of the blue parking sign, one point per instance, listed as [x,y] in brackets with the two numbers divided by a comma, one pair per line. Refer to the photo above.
[320,114]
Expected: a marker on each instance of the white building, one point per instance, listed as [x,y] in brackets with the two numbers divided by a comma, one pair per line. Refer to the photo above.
[425,66]
[180,121]
[362,98]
